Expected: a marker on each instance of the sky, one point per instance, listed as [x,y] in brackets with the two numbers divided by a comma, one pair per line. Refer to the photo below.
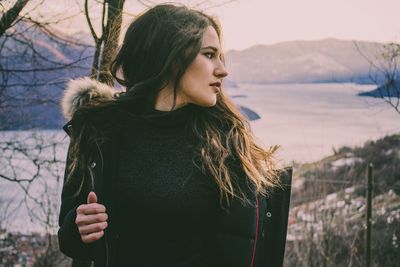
[250,22]
[247,23]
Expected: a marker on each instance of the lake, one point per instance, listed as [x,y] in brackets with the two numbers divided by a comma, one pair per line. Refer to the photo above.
[307,120]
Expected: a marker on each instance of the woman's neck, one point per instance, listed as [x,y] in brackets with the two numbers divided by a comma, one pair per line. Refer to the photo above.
[165,100]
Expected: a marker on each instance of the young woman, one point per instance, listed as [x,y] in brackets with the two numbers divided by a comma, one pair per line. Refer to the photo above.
[167,173]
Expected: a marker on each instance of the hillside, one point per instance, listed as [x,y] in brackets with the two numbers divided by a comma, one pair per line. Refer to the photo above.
[347,167]
[328,208]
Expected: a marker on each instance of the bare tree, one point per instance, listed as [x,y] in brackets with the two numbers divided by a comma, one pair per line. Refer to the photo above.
[385,74]
[390,90]
[31,165]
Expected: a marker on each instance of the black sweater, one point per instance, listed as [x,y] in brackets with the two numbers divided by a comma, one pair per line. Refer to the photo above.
[166,209]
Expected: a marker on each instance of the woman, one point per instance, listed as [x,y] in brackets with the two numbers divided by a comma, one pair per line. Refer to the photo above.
[167,173]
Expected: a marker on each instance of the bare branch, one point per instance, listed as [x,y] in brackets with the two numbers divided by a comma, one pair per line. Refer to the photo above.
[103,16]
[93,32]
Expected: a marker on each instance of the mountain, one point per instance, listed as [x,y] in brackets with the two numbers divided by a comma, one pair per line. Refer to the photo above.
[328,60]
[35,68]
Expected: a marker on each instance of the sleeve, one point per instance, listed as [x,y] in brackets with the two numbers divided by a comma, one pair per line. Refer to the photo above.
[69,239]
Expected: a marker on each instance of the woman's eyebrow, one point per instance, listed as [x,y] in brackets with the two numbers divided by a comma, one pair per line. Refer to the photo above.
[211,47]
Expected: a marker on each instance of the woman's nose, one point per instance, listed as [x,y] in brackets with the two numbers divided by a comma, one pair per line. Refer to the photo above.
[220,71]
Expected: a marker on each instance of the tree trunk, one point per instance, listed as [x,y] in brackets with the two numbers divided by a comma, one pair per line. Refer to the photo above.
[110,40]
[11,15]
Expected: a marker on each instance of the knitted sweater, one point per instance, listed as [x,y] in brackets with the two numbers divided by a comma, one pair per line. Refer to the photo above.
[166,210]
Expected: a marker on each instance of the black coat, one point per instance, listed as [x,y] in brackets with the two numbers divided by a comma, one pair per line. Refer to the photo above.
[247,237]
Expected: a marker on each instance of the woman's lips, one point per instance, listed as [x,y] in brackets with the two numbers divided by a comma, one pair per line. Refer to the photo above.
[216,86]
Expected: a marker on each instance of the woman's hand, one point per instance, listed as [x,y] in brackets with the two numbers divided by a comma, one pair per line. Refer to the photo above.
[91,219]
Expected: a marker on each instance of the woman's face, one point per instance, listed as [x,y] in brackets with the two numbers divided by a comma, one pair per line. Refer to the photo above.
[202,80]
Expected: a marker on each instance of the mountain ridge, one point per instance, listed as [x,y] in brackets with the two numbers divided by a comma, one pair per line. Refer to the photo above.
[326,60]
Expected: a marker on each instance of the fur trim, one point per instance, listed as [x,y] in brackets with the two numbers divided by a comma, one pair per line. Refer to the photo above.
[81,91]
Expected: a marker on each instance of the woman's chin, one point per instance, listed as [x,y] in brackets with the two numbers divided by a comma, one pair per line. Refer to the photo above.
[208,104]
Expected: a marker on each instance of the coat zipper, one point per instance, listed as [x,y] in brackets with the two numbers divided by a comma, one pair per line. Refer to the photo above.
[102,174]
[256,235]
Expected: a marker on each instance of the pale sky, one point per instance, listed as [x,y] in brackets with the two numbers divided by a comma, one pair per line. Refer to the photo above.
[250,22]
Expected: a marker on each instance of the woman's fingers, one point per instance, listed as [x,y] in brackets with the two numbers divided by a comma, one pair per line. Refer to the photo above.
[92,237]
[93,208]
[91,220]
[92,228]
[82,219]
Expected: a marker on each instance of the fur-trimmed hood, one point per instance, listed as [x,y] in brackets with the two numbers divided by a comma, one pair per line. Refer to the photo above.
[81,91]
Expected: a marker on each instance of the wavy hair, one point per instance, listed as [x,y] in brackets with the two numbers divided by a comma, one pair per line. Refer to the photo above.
[158,46]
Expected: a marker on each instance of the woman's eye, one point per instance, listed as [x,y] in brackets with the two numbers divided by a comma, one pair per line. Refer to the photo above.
[209,55]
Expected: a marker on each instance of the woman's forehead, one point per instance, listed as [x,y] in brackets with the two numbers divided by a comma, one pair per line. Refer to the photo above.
[210,38]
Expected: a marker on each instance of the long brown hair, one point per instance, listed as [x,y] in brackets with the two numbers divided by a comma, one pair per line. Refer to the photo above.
[158,45]
[234,149]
